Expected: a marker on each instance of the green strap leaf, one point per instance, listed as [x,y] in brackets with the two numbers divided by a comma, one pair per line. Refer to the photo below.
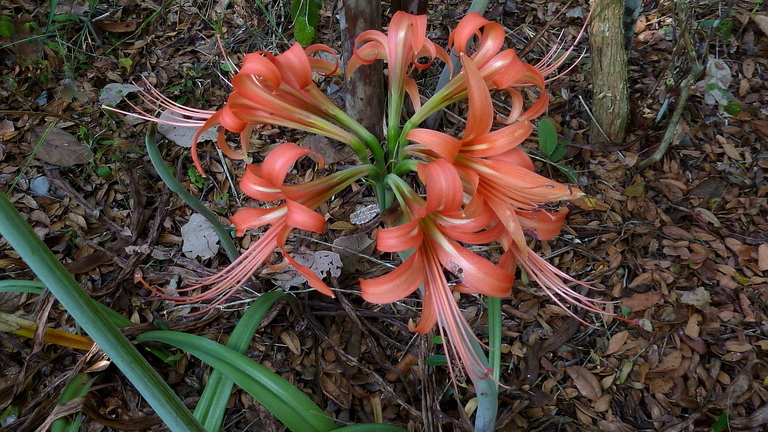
[157,161]
[93,320]
[212,404]
[289,404]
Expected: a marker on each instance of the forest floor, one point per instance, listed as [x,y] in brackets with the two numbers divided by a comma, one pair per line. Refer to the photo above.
[680,246]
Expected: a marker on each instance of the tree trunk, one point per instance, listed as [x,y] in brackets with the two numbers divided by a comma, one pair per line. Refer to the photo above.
[610,102]
[413,7]
[364,99]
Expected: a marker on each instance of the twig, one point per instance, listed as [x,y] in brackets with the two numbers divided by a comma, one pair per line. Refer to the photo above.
[685,91]
[596,123]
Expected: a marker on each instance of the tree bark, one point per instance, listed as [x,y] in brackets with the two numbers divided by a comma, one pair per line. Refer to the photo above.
[610,101]
[413,7]
[364,98]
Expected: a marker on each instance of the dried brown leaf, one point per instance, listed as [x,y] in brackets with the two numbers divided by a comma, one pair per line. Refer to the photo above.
[617,341]
[290,339]
[642,301]
[588,384]
[59,147]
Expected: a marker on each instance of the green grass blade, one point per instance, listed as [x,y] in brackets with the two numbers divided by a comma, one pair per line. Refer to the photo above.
[25,286]
[287,403]
[212,404]
[157,161]
[77,387]
[93,320]
[37,287]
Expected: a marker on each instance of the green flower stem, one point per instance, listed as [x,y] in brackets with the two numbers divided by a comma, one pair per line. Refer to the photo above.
[93,320]
[157,161]
[488,389]
[393,130]
[494,335]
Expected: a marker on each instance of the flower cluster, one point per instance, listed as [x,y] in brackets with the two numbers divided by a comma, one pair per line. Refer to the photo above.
[480,187]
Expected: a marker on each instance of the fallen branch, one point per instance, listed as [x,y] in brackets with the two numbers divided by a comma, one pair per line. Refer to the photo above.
[685,91]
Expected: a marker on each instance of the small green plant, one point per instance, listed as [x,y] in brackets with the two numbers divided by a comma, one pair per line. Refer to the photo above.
[723,29]
[722,422]
[6,26]
[553,148]
[196,178]
[305,15]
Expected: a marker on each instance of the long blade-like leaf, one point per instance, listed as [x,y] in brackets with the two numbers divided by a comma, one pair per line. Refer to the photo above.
[157,161]
[289,404]
[63,286]
[212,404]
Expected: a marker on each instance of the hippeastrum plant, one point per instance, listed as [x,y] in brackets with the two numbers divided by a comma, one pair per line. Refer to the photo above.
[480,187]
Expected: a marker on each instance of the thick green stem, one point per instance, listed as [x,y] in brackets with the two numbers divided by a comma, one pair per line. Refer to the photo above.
[63,286]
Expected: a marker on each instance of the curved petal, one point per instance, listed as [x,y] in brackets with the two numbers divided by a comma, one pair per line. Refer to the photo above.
[322,66]
[399,238]
[477,273]
[515,156]
[247,218]
[301,217]
[491,37]
[280,160]
[213,121]
[312,278]
[543,224]
[395,285]
[480,114]
[413,92]
[498,141]
[444,145]
[255,186]
[293,65]
[433,299]
[523,187]
[444,189]
[259,65]
[504,69]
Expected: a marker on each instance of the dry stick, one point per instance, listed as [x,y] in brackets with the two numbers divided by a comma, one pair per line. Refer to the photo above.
[685,91]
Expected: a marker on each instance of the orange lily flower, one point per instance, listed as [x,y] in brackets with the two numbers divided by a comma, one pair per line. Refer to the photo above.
[265,182]
[499,173]
[404,45]
[269,89]
[279,90]
[498,69]
[433,229]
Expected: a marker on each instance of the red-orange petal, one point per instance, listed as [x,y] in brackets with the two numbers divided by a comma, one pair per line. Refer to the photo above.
[280,160]
[399,238]
[301,217]
[247,218]
[480,113]
[477,273]
[397,284]
[543,224]
[444,145]
[444,189]
[255,186]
